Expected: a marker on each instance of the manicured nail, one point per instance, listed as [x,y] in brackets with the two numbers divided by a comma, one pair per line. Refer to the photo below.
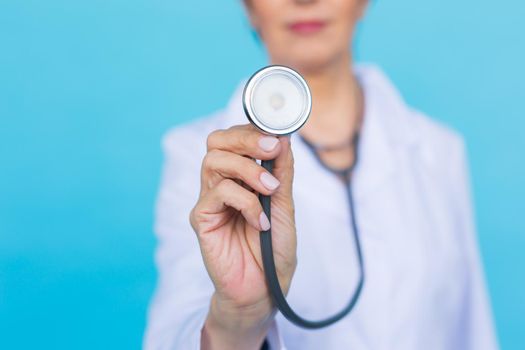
[268,143]
[269,181]
[263,220]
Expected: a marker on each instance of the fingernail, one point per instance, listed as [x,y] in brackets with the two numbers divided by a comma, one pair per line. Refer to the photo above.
[268,143]
[263,220]
[269,181]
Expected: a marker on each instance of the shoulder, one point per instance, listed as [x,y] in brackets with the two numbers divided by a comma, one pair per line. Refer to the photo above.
[440,153]
[435,136]
[189,138]
[192,131]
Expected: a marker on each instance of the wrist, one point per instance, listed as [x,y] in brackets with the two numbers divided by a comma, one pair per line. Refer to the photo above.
[241,318]
[229,327]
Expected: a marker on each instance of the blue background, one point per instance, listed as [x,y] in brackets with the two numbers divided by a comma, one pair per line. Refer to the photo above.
[87,87]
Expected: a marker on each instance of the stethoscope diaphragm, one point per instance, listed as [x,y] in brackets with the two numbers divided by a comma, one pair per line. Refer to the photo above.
[277,100]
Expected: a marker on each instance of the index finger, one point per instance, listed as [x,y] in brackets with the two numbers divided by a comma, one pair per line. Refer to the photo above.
[244,140]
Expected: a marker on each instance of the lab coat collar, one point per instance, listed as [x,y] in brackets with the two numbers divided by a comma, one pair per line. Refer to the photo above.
[387,126]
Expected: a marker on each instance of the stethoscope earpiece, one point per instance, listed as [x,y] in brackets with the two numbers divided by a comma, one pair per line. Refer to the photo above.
[277,100]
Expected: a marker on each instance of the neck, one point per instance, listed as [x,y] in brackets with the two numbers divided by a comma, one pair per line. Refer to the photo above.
[336,98]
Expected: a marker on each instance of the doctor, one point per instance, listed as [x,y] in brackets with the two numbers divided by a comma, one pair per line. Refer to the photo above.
[424,286]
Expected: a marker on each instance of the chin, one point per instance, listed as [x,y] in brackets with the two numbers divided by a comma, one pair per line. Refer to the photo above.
[308,60]
[309,57]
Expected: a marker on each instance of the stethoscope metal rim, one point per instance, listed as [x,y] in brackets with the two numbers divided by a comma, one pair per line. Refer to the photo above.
[248,108]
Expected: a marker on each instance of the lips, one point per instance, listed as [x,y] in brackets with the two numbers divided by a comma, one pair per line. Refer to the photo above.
[307,27]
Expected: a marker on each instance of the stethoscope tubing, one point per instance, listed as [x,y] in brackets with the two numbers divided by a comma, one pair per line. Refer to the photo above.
[270,271]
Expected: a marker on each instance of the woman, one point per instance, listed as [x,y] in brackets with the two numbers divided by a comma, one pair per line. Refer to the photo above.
[424,285]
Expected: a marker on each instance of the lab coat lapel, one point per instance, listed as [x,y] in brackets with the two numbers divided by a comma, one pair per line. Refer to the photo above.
[375,164]
[386,128]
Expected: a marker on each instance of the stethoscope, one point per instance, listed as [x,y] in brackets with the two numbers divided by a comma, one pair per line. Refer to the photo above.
[277,100]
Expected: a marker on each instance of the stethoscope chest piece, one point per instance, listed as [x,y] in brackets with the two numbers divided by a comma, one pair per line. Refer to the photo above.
[277,100]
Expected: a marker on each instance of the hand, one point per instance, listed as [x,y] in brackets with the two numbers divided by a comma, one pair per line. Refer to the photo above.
[227,219]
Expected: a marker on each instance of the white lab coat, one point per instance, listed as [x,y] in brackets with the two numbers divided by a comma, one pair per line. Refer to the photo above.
[424,286]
